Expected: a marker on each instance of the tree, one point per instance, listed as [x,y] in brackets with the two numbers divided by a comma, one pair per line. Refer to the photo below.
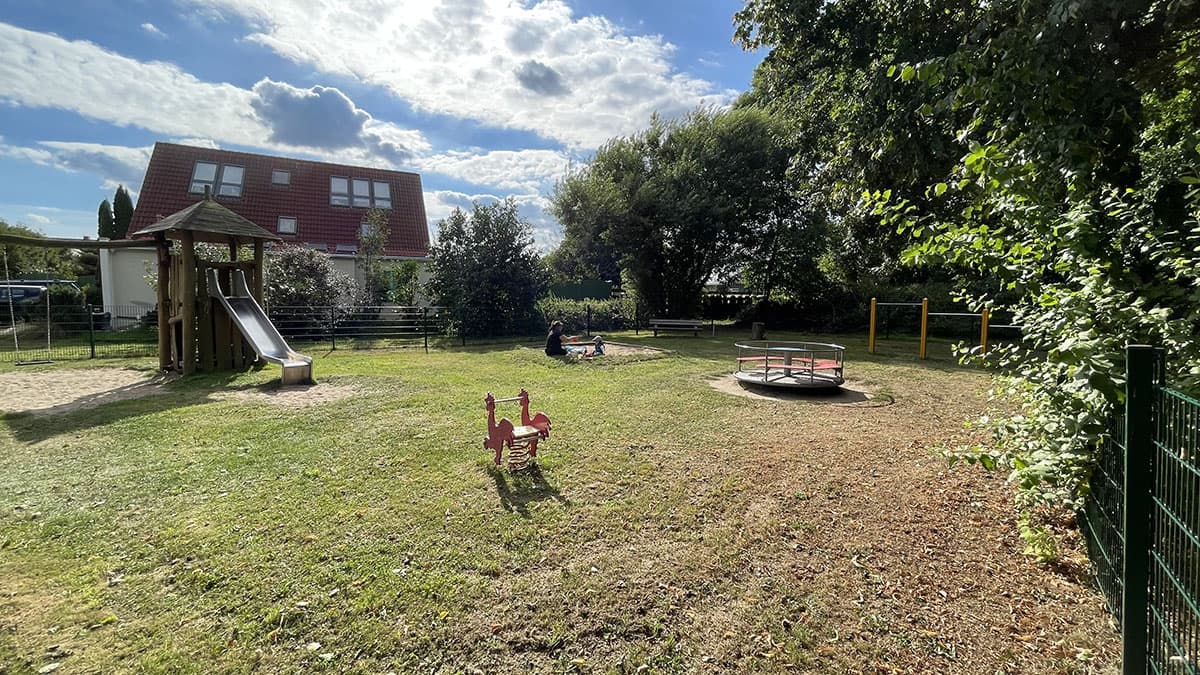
[122,208]
[106,225]
[373,236]
[1051,146]
[679,200]
[34,262]
[302,277]
[484,268]
[856,128]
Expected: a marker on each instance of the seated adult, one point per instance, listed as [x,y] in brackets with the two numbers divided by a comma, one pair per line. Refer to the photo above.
[554,341]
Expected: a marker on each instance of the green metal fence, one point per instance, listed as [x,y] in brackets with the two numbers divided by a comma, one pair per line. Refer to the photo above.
[1141,521]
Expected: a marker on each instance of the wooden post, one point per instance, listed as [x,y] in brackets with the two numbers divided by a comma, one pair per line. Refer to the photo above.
[188,293]
[204,321]
[871,330]
[983,330]
[164,303]
[1139,507]
[924,327]
[257,281]
[233,252]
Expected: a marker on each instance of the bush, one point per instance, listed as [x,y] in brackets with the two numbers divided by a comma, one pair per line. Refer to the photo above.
[304,277]
[607,315]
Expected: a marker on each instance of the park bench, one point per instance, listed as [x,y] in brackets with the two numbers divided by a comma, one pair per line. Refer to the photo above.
[692,325]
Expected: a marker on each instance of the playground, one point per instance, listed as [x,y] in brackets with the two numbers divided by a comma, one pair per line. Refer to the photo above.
[218,522]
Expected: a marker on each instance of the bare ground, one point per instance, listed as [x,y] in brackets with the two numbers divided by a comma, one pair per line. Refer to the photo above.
[824,538]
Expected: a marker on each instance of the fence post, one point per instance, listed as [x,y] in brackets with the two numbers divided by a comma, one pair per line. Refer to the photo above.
[588,324]
[1139,473]
[333,328]
[425,327]
[871,330]
[635,320]
[91,312]
[924,327]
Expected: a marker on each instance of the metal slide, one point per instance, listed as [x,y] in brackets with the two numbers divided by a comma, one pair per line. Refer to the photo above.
[258,329]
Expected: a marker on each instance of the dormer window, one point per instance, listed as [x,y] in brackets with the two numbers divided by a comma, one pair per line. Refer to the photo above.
[204,175]
[362,193]
[383,195]
[339,191]
[281,177]
[359,192]
[231,181]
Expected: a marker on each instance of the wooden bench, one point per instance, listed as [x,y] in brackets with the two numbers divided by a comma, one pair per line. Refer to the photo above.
[692,325]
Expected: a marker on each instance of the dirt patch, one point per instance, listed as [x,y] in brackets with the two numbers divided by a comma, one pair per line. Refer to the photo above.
[850,393]
[624,349]
[46,392]
[298,396]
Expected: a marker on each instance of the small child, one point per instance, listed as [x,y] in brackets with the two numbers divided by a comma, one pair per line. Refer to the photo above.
[597,346]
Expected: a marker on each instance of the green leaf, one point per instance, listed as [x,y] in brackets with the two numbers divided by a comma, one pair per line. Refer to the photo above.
[908,73]
[940,189]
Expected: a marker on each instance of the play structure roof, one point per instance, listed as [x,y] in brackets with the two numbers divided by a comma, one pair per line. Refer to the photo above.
[208,221]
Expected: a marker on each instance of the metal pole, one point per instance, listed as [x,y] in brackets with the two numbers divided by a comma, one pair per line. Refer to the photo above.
[924,327]
[332,328]
[91,312]
[871,330]
[1139,472]
[588,325]
[425,326]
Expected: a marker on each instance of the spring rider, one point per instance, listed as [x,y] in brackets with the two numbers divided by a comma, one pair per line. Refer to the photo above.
[522,440]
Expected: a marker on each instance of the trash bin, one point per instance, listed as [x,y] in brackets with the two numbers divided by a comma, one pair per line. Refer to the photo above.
[758,330]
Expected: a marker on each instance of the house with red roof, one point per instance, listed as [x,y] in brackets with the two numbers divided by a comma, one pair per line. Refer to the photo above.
[314,204]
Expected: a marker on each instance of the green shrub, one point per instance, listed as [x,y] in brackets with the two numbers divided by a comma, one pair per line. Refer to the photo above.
[607,315]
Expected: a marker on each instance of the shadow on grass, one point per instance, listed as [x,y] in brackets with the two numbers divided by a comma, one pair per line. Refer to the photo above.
[114,405]
[518,490]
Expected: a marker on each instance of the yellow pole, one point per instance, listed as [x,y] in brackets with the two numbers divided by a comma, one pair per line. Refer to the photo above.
[924,326]
[871,330]
[983,327]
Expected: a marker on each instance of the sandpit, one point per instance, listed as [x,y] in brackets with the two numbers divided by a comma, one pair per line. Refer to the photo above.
[61,390]
[851,393]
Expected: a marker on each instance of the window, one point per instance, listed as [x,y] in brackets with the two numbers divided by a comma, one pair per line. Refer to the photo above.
[231,181]
[362,192]
[281,177]
[287,225]
[383,195]
[339,191]
[359,193]
[204,175]
[346,248]
[319,247]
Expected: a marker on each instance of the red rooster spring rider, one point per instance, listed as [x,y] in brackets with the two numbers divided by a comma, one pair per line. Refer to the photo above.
[522,440]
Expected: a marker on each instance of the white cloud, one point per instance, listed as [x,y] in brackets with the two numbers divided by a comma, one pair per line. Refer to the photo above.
[513,65]
[116,164]
[153,30]
[532,207]
[526,170]
[50,221]
[99,84]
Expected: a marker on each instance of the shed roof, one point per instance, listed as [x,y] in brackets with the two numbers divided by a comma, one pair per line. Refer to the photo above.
[209,221]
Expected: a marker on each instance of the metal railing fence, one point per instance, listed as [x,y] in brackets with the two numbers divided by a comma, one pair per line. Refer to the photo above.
[1141,521]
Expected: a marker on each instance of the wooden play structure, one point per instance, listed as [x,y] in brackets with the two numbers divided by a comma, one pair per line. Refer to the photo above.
[521,441]
[210,314]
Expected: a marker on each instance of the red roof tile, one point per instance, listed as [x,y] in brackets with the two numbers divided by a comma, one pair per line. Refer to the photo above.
[306,198]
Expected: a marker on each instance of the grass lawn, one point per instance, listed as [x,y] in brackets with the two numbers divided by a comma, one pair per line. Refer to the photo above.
[218,526]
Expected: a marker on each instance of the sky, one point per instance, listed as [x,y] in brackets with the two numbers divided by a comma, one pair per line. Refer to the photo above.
[486,99]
